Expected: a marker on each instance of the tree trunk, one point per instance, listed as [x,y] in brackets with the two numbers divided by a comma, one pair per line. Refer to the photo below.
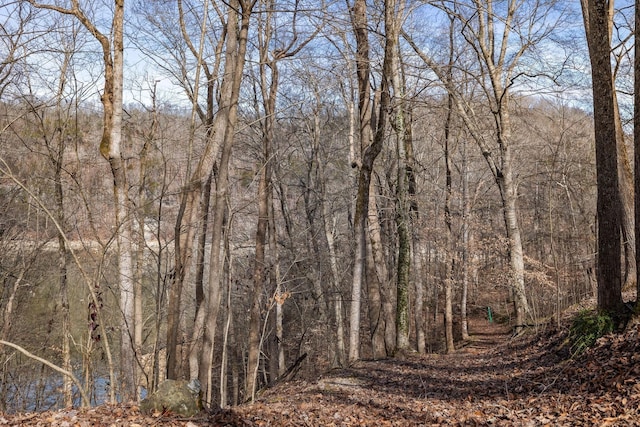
[376,278]
[626,189]
[201,353]
[259,278]
[449,250]
[112,55]
[597,21]
[340,348]
[466,244]
[394,12]
[368,154]
[191,205]
[280,296]
[636,141]
[516,255]
[419,318]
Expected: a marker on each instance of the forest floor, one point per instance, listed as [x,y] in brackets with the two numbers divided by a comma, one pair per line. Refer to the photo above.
[494,380]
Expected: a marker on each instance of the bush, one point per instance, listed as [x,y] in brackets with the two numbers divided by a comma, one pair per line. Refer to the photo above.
[586,328]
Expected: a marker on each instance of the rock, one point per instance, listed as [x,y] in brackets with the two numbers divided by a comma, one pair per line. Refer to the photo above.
[178,397]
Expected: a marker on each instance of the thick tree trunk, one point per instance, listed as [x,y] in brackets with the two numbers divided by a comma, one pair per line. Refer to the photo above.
[516,254]
[393,16]
[609,278]
[359,261]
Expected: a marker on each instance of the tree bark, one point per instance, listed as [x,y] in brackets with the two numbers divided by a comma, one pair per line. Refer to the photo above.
[264,187]
[377,279]
[223,134]
[368,155]
[597,22]
[195,189]
[466,244]
[636,141]
[449,250]
[110,149]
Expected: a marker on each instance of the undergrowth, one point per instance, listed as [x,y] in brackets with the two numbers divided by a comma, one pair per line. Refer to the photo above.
[586,328]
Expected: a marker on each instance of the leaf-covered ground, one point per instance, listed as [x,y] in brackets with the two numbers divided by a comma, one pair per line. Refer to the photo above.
[493,380]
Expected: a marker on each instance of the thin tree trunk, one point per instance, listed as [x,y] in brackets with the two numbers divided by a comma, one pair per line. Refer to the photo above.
[280,295]
[340,347]
[376,274]
[636,141]
[259,276]
[465,258]
[58,164]
[417,248]
[450,258]
[450,246]
[418,314]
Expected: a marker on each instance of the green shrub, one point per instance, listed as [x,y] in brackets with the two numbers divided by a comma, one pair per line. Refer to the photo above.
[586,328]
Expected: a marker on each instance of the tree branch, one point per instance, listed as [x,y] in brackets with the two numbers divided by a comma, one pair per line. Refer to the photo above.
[85,398]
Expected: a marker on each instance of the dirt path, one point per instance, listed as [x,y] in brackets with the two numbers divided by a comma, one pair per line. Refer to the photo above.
[413,390]
[493,380]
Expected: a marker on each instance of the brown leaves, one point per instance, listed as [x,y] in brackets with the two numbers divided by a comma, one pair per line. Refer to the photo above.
[492,381]
[116,416]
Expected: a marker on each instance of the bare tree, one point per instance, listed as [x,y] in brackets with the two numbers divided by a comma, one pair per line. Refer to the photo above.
[110,147]
[371,146]
[499,35]
[394,15]
[222,139]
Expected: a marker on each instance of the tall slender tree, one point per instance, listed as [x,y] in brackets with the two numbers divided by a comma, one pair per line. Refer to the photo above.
[238,21]
[371,144]
[111,149]
[636,137]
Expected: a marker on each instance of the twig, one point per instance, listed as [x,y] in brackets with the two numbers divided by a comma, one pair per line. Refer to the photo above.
[85,398]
